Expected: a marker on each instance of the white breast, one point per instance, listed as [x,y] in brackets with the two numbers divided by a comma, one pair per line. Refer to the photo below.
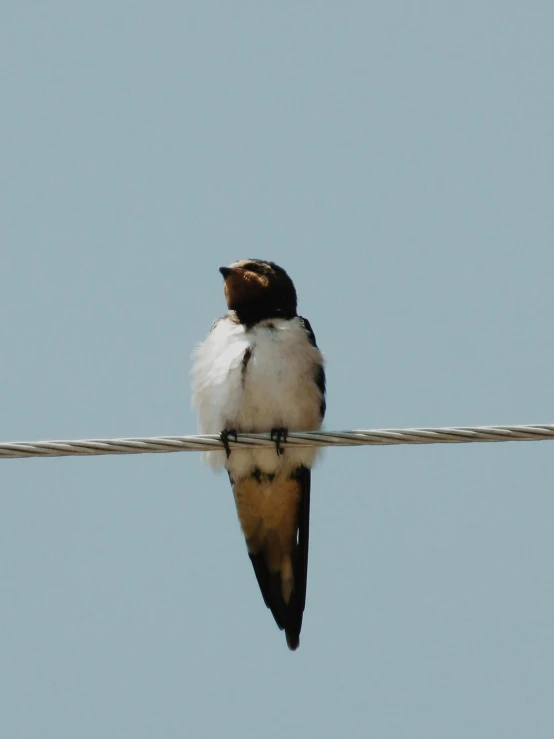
[255,380]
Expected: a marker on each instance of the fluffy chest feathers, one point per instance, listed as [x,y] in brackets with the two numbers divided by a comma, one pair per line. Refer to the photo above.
[257,379]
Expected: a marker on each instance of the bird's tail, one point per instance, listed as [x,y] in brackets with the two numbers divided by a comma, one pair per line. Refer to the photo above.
[284,591]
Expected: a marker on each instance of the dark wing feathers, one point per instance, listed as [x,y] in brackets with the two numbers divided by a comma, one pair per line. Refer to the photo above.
[320,370]
[308,329]
[270,586]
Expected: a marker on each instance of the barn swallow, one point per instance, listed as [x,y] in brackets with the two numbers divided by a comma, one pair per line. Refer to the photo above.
[260,370]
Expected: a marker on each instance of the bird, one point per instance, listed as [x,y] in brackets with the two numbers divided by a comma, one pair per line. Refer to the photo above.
[260,370]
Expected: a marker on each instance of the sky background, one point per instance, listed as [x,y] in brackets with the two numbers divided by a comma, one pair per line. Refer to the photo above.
[397,159]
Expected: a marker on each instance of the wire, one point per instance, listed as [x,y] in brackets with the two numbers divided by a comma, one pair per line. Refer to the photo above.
[207,442]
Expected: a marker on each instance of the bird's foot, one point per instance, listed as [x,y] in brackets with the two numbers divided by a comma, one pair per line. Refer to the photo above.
[224,436]
[278,435]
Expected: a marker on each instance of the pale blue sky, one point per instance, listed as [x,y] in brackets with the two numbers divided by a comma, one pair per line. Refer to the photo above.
[397,159]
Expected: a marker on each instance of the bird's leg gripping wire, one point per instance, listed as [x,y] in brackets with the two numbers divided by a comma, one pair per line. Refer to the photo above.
[224,436]
[278,435]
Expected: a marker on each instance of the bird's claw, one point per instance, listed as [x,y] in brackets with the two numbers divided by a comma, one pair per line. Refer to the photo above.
[278,435]
[224,436]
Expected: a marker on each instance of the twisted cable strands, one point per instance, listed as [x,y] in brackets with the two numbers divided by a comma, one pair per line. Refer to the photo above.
[375,437]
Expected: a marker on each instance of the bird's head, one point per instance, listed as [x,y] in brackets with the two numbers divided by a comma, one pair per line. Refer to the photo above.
[256,289]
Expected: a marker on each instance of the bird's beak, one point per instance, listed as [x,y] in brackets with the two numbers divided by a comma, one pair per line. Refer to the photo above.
[226,271]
